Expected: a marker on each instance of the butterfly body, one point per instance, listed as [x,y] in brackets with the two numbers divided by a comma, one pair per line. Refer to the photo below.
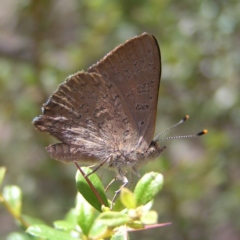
[107,115]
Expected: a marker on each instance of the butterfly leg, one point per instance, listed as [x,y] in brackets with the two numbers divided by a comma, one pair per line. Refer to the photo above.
[125,182]
[111,182]
[136,172]
[100,165]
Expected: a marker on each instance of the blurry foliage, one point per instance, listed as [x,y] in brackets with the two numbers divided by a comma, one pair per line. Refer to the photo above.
[90,218]
[42,42]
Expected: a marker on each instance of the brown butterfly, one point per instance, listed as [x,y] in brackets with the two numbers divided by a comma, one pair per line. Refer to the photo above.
[106,116]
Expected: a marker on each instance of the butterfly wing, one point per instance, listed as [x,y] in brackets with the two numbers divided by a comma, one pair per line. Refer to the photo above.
[88,114]
[111,107]
[135,69]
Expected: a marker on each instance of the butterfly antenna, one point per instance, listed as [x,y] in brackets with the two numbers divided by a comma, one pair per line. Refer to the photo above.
[187,136]
[175,125]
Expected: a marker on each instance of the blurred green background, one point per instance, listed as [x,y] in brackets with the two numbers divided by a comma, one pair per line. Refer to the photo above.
[42,42]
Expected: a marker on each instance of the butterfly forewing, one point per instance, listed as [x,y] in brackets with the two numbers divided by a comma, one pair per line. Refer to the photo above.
[89,112]
[135,69]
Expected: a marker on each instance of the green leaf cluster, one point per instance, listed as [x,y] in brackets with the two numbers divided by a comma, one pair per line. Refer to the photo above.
[91,218]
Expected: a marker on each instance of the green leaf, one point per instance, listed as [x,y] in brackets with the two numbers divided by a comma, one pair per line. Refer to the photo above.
[18,236]
[63,225]
[150,217]
[148,206]
[121,234]
[127,198]
[49,233]
[85,214]
[113,219]
[136,225]
[118,205]
[148,187]
[2,174]
[13,195]
[30,220]
[84,188]
[71,217]
[98,230]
